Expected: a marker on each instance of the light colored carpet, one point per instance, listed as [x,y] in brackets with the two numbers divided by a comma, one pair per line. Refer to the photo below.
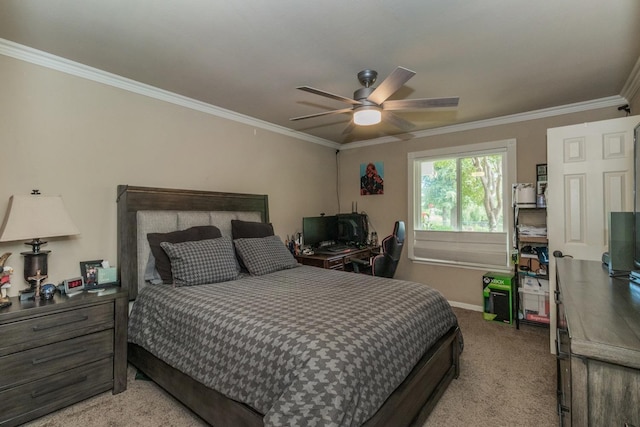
[507,378]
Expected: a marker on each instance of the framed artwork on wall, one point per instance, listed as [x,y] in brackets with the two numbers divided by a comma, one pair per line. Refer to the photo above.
[371,178]
[541,172]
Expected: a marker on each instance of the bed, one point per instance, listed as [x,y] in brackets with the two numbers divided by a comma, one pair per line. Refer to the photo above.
[293,346]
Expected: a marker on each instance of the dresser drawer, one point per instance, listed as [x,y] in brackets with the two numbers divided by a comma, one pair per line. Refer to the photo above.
[335,264]
[40,397]
[42,330]
[36,363]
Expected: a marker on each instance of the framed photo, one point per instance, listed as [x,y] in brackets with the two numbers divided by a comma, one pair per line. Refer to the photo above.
[89,272]
[541,172]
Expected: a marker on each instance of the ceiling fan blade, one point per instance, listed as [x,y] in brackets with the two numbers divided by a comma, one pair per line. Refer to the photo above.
[324,113]
[349,128]
[397,121]
[390,85]
[329,95]
[414,104]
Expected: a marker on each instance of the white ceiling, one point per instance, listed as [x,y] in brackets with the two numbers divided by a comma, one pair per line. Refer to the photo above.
[501,57]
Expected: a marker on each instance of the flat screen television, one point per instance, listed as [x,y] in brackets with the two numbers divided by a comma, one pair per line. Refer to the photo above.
[353,228]
[319,229]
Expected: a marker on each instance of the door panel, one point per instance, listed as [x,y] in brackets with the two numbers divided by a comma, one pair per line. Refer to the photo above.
[590,173]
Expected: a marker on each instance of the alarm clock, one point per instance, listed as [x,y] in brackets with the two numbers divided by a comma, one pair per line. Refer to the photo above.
[73,286]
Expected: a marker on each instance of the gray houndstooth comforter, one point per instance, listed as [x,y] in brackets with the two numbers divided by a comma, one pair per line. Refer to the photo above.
[305,346]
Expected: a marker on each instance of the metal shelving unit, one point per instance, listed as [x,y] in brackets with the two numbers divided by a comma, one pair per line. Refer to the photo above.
[532,296]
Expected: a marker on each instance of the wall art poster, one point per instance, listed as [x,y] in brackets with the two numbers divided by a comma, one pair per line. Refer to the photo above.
[371,178]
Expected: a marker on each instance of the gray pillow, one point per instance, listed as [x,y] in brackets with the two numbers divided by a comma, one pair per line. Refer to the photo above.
[163,264]
[264,255]
[151,274]
[202,261]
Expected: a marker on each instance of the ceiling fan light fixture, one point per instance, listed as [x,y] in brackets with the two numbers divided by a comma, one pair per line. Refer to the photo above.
[367,116]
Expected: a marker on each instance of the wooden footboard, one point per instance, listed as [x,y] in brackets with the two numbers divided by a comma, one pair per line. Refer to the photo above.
[409,405]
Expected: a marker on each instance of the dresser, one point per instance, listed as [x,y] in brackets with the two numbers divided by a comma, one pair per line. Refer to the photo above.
[57,352]
[598,346]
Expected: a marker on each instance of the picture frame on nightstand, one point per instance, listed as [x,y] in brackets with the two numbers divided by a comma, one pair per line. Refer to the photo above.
[89,272]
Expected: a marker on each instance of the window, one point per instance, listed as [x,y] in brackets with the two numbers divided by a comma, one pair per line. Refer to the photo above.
[459,205]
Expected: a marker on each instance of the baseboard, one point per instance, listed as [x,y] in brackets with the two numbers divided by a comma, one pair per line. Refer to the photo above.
[466,306]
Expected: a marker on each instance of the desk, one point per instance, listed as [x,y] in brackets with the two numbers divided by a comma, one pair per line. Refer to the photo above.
[339,261]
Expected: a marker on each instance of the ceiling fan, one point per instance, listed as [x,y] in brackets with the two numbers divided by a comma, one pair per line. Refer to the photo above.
[370,105]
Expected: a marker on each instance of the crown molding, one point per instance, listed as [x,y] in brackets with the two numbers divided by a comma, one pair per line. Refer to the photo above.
[34,56]
[611,101]
[38,57]
[632,85]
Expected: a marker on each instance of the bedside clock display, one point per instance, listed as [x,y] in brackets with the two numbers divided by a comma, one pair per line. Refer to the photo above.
[72,286]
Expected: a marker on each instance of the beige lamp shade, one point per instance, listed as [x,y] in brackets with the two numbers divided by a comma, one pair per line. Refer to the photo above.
[34,217]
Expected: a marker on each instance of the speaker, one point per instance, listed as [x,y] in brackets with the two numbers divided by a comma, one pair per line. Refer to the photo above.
[620,242]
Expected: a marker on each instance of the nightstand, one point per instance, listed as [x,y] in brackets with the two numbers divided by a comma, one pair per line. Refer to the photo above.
[58,352]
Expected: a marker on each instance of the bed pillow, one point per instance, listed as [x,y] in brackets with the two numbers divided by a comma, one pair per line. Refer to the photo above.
[200,262]
[151,274]
[163,265]
[264,255]
[249,229]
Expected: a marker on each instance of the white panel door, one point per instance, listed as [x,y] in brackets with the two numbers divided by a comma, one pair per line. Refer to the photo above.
[589,173]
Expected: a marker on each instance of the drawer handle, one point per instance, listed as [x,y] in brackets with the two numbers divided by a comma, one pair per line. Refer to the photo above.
[58,356]
[58,387]
[55,325]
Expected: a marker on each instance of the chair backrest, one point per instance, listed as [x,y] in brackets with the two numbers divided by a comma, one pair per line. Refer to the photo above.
[385,264]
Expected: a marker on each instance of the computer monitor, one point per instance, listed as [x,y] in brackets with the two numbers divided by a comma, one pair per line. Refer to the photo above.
[352,228]
[318,229]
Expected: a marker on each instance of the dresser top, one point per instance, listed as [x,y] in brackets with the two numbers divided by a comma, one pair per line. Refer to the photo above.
[36,307]
[603,313]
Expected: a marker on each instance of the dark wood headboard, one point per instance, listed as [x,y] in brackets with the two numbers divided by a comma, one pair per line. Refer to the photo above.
[131,199]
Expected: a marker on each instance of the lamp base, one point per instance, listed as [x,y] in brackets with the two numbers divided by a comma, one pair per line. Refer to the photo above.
[34,261]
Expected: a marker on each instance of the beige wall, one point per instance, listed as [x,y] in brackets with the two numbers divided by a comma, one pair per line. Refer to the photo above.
[80,139]
[458,285]
[70,136]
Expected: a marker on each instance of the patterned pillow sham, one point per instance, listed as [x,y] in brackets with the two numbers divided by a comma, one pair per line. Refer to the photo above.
[202,261]
[163,264]
[264,255]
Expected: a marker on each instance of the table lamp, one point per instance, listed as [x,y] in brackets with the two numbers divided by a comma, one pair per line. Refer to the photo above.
[34,217]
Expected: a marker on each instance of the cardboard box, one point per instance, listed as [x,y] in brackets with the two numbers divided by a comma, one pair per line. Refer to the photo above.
[531,263]
[498,296]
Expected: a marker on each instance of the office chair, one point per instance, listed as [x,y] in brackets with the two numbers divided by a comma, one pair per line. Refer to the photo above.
[385,263]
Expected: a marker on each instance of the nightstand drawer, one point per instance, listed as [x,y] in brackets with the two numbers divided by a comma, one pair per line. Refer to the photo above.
[50,328]
[40,397]
[30,365]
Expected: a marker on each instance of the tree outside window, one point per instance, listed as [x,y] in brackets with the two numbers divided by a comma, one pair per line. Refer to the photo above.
[462,194]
